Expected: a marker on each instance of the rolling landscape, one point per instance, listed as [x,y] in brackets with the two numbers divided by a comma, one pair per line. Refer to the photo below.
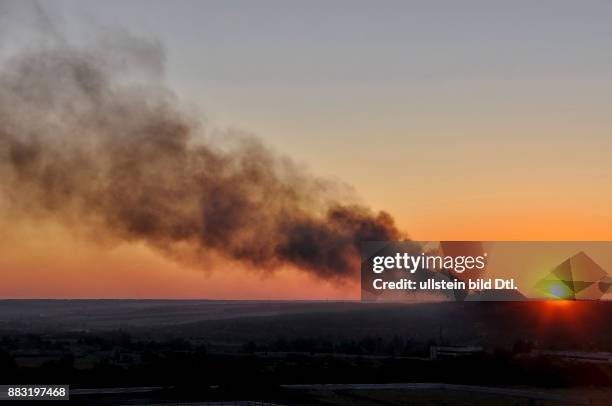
[344,203]
[288,352]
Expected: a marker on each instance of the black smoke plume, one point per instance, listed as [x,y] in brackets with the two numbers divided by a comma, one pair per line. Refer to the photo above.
[90,137]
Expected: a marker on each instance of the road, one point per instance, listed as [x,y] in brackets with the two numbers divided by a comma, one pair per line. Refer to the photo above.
[521,393]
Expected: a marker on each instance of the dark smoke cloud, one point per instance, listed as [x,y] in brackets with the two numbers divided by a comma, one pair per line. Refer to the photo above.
[90,137]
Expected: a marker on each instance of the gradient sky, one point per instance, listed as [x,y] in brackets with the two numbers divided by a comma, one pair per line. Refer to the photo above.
[485,120]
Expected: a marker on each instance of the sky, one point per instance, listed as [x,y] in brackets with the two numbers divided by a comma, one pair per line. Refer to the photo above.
[477,120]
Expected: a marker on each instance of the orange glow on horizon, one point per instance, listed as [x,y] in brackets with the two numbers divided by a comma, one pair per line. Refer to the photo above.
[48,261]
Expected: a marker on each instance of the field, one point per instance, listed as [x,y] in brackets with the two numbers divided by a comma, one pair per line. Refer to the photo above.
[244,350]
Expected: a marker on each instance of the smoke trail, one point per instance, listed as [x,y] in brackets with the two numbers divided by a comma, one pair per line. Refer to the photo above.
[89,136]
